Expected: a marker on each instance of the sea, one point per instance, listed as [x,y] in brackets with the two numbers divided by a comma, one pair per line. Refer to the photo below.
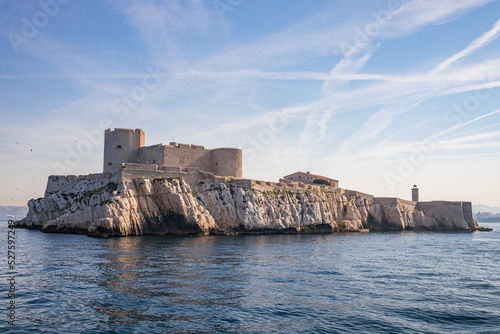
[397,282]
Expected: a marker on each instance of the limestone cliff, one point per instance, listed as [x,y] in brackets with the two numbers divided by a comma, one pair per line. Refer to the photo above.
[145,203]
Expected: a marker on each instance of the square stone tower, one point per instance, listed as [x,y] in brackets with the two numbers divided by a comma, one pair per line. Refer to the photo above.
[121,146]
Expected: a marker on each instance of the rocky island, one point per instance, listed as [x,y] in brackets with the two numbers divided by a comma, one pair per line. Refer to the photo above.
[180,189]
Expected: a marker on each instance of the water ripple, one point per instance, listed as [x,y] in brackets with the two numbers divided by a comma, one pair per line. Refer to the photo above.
[339,283]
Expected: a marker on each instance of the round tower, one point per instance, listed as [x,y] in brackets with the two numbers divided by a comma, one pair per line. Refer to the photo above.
[414,193]
[227,162]
[121,146]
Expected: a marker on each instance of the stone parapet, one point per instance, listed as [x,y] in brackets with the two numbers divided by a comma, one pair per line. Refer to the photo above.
[75,183]
[358,194]
[140,166]
[170,169]
[394,201]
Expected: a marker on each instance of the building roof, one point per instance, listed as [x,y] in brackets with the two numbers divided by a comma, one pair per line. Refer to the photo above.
[315,175]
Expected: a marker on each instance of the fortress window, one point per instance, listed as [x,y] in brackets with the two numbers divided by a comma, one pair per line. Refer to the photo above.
[154,161]
[118,147]
[216,164]
[109,163]
[300,177]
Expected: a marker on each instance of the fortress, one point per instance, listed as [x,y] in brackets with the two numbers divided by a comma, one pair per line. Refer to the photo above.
[124,150]
[190,190]
[127,146]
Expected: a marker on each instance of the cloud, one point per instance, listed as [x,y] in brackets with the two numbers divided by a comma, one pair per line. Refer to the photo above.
[416,14]
[478,43]
[347,66]
[162,24]
[375,124]
[422,14]
[220,87]
[473,138]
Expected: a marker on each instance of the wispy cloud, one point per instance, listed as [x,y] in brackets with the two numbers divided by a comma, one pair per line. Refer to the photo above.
[375,124]
[478,43]
[421,14]
[227,86]
[162,24]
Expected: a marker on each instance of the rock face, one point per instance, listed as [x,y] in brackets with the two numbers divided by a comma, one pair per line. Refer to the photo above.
[145,203]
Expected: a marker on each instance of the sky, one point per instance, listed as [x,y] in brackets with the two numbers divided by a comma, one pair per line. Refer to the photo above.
[380,95]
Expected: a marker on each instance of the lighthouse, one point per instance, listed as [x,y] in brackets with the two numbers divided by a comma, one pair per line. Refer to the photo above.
[414,193]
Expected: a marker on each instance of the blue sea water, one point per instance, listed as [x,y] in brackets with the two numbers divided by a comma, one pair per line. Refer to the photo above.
[405,282]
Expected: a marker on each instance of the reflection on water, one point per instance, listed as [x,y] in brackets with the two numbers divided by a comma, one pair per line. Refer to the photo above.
[157,273]
[377,283]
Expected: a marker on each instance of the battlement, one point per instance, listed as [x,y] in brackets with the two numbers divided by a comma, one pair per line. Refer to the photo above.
[186,146]
[124,130]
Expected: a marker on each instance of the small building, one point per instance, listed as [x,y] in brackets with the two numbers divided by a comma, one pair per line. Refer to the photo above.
[307,177]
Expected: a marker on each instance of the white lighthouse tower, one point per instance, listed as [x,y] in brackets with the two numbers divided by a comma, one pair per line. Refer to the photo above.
[414,193]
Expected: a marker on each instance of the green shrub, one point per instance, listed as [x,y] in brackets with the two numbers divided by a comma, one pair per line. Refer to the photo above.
[322,181]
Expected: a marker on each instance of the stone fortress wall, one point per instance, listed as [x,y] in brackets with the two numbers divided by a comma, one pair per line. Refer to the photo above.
[408,205]
[79,183]
[442,209]
[189,174]
[438,210]
[127,146]
[74,183]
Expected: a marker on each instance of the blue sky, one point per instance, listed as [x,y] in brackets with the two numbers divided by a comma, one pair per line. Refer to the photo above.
[380,95]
